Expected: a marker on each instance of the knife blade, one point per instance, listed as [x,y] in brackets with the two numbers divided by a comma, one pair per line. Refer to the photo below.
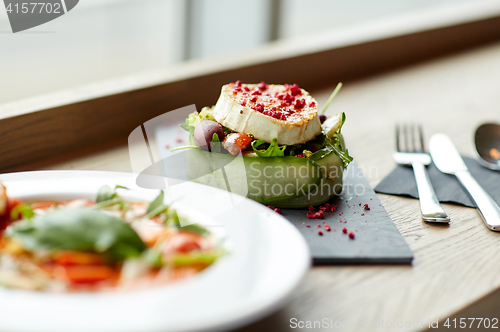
[447,159]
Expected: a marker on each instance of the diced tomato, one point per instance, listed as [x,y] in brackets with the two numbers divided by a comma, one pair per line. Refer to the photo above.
[83,274]
[77,258]
[184,242]
[236,142]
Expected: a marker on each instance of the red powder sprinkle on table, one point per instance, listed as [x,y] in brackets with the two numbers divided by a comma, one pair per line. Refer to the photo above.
[352,235]
[327,228]
[344,230]
[366,207]
[320,232]
[316,215]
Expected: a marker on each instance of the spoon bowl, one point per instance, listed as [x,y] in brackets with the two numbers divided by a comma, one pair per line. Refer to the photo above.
[487,145]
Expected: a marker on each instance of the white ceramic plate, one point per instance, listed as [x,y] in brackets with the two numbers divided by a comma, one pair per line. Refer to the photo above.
[268,259]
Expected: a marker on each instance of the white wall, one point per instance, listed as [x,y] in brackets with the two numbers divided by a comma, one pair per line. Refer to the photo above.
[94,41]
[302,17]
[227,26]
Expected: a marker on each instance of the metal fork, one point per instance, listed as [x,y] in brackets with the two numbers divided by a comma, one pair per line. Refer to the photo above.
[412,152]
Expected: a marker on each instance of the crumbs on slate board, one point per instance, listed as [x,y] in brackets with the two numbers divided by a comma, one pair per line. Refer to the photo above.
[320,214]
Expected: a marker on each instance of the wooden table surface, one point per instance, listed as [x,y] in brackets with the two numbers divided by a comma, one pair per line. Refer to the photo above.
[454,266]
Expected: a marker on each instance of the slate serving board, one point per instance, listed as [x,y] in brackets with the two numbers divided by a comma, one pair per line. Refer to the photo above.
[376,241]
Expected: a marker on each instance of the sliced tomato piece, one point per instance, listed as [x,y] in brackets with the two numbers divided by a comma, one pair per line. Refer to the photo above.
[67,257]
[236,142]
[83,274]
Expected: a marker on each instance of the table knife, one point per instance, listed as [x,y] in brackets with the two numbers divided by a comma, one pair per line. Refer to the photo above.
[447,159]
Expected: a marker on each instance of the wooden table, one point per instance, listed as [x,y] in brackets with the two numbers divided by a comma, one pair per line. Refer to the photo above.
[456,267]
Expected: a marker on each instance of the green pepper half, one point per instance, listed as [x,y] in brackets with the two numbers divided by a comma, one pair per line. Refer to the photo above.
[285,182]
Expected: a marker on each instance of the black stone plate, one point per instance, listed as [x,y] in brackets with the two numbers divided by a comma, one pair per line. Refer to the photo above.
[376,238]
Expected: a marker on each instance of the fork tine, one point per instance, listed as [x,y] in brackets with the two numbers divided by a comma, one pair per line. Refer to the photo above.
[414,139]
[397,138]
[406,138]
[421,134]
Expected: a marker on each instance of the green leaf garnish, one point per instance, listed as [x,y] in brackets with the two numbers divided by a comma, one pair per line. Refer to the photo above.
[342,123]
[156,206]
[105,193]
[332,145]
[173,220]
[158,201]
[215,145]
[346,158]
[79,230]
[22,210]
[272,151]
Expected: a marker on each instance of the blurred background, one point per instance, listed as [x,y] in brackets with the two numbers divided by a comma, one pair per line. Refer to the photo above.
[104,39]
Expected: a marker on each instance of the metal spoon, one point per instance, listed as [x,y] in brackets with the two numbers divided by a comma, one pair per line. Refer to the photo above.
[487,142]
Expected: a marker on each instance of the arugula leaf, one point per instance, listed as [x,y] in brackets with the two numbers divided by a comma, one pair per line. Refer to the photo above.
[336,146]
[156,206]
[342,123]
[215,145]
[105,193]
[272,151]
[346,158]
[79,230]
[157,202]
[332,145]
[173,220]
